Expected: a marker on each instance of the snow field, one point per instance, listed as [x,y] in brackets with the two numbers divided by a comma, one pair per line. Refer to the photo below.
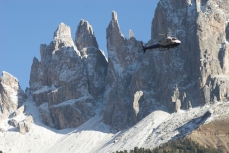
[94,136]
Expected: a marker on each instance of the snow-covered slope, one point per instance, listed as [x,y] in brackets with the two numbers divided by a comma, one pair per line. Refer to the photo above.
[155,129]
[74,86]
[94,136]
[36,140]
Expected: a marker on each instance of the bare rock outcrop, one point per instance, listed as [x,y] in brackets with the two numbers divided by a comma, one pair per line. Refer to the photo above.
[68,71]
[133,84]
[72,113]
[93,59]
[25,125]
[123,58]
[13,122]
[85,36]
[18,111]
[45,114]
[11,95]
[212,39]
[198,68]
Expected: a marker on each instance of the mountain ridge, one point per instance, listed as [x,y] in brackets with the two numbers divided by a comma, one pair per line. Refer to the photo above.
[132,99]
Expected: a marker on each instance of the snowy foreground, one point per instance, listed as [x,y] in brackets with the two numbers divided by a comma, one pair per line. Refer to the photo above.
[94,136]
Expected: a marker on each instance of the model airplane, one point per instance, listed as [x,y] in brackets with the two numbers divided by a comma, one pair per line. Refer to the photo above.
[166,42]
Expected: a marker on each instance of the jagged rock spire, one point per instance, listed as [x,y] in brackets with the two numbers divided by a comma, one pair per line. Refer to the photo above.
[113,28]
[62,36]
[11,94]
[67,81]
[114,16]
[63,32]
[85,36]
[122,55]
[93,58]
[131,34]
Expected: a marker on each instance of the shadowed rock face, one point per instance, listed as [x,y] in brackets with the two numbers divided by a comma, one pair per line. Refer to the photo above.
[85,37]
[176,72]
[93,59]
[124,56]
[132,84]
[66,73]
[193,74]
[11,95]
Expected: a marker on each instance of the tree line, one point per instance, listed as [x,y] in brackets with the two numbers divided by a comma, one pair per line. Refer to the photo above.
[181,145]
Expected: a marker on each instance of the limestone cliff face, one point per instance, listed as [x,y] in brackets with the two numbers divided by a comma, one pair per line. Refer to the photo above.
[212,35]
[75,76]
[193,74]
[174,78]
[66,74]
[93,59]
[11,95]
[124,56]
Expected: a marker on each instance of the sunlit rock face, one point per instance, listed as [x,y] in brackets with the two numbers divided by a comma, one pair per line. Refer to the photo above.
[194,74]
[66,74]
[124,56]
[11,95]
[93,59]
[131,84]
[212,35]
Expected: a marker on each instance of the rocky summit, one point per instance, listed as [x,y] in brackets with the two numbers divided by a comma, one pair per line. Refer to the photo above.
[11,95]
[70,78]
[75,75]
[151,97]
[193,74]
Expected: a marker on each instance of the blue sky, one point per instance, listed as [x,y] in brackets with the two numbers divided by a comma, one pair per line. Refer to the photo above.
[25,24]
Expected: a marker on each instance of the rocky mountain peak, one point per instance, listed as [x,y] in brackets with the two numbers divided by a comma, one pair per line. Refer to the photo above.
[134,84]
[62,37]
[123,57]
[9,80]
[136,90]
[195,73]
[11,94]
[68,83]
[62,32]
[131,34]
[113,29]
[114,16]
[85,36]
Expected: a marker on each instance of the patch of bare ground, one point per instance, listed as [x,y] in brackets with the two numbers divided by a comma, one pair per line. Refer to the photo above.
[214,134]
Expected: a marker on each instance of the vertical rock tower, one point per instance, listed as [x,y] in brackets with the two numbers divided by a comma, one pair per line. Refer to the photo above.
[74,76]
[124,56]
[194,74]
[62,83]
[11,95]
